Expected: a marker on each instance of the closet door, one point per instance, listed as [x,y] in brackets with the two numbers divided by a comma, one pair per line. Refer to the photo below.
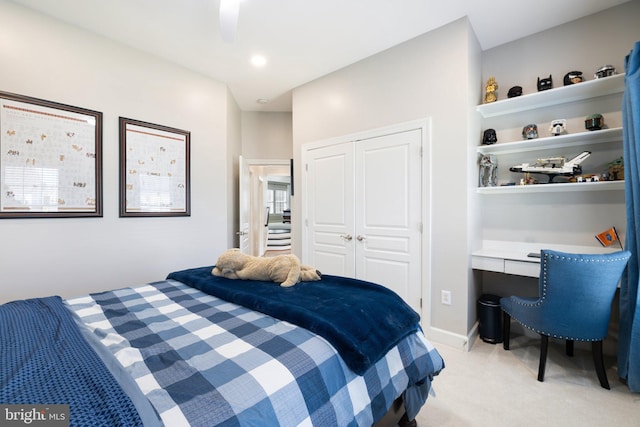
[329,198]
[388,213]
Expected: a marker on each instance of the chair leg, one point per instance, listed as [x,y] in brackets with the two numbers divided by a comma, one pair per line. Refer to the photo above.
[598,361]
[544,345]
[506,330]
[569,348]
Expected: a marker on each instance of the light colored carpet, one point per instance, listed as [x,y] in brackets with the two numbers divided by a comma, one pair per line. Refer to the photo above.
[489,386]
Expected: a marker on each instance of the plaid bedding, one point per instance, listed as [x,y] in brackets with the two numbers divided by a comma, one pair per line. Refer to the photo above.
[202,361]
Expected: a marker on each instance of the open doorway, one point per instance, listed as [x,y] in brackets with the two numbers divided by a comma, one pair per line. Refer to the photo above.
[265,207]
[278,211]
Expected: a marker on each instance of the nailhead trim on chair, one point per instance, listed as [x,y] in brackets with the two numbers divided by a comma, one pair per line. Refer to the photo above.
[544,294]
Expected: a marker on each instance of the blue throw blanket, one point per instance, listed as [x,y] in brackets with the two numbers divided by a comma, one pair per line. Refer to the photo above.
[362,320]
[45,360]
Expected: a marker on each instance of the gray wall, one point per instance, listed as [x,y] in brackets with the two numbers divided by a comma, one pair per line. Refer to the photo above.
[432,76]
[267,135]
[441,75]
[47,59]
[584,45]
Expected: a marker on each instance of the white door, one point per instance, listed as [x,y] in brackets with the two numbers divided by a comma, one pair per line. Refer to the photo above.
[244,208]
[364,211]
[329,196]
[388,212]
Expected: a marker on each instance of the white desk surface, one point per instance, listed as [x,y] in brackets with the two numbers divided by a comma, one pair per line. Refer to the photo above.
[512,257]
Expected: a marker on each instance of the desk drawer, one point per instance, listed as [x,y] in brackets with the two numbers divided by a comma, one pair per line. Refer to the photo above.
[522,268]
[488,264]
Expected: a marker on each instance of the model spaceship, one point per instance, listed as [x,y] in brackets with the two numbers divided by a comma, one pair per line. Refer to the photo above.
[554,166]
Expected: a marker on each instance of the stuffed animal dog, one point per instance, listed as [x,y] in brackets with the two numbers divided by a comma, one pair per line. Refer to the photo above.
[283,269]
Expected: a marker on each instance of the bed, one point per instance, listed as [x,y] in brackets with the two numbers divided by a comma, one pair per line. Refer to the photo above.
[200,350]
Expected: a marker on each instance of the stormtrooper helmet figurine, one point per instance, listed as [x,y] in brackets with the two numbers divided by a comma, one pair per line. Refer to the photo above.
[558,127]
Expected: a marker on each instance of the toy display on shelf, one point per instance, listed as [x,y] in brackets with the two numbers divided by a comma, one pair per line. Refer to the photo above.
[595,134]
[589,89]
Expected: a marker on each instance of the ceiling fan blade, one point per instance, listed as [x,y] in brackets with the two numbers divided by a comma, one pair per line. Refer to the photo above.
[229,11]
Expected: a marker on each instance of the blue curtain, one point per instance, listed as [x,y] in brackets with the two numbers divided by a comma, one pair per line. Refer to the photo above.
[629,339]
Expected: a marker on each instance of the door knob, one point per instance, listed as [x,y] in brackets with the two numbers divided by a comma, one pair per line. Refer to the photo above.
[241,233]
[346,237]
[360,238]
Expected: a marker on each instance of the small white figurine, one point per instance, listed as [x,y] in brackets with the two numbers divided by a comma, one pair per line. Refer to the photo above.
[558,127]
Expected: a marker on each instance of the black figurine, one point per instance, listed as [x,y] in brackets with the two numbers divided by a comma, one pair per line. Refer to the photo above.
[489,137]
[545,84]
[515,91]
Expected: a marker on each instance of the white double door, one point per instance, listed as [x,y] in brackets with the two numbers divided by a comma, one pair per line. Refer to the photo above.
[363,205]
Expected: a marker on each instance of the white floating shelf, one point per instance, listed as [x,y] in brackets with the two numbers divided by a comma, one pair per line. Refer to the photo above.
[561,95]
[569,140]
[554,188]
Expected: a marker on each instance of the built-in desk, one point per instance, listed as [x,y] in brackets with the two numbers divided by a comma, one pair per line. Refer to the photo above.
[512,257]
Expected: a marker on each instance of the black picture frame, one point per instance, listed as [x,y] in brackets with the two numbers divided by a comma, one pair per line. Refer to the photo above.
[50,159]
[154,170]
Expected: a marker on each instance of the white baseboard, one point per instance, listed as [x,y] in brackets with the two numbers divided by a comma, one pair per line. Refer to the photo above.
[462,342]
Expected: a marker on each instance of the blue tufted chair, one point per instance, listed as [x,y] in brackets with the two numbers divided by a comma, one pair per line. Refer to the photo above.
[574,303]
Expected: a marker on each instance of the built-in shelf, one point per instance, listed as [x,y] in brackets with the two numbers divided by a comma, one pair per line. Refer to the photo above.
[561,95]
[613,135]
[553,188]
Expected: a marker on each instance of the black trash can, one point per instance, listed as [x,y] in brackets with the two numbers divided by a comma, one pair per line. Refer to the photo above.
[490,319]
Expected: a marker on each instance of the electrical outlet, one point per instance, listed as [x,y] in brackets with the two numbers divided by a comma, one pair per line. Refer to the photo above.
[445,297]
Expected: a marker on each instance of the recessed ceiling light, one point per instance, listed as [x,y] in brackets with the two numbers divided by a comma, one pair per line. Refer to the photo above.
[258,61]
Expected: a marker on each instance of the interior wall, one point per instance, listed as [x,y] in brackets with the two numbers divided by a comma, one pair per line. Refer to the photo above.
[570,218]
[474,235]
[584,45]
[234,145]
[267,135]
[426,77]
[47,59]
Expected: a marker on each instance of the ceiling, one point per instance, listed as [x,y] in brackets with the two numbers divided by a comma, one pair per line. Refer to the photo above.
[300,39]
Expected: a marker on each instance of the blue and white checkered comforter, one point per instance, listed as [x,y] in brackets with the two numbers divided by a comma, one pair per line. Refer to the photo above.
[202,361]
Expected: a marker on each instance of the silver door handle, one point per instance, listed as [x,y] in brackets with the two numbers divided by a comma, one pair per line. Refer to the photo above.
[347,237]
[361,238]
[241,233]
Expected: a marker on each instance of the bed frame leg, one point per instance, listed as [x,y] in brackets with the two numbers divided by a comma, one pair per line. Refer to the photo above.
[405,422]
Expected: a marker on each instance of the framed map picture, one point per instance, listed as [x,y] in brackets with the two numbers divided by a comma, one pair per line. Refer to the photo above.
[50,159]
[154,170]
